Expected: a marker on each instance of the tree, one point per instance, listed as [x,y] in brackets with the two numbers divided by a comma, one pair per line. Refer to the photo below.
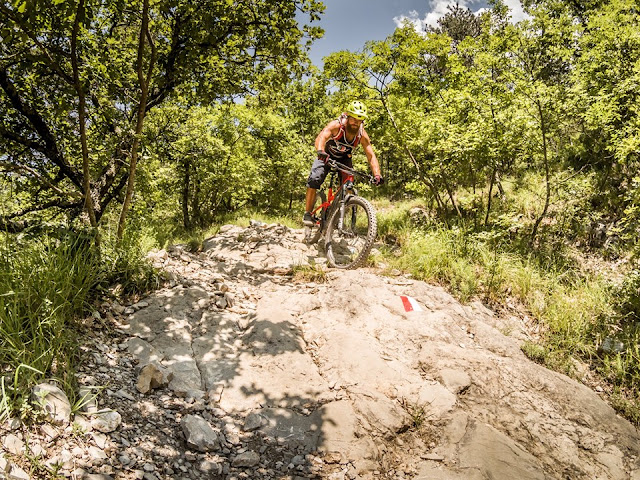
[545,48]
[605,80]
[458,23]
[78,78]
[373,71]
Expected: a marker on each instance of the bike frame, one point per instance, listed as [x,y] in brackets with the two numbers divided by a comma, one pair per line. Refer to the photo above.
[346,177]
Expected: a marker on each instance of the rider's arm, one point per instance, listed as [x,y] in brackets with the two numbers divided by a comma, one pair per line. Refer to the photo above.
[327,132]
[371,156]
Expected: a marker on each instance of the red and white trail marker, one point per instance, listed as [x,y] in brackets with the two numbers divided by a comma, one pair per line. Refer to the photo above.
[410,304]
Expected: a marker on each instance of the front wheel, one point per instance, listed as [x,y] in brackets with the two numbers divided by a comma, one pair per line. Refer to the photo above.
[348,245]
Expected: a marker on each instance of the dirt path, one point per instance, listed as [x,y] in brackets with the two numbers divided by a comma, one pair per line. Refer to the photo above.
[255,375]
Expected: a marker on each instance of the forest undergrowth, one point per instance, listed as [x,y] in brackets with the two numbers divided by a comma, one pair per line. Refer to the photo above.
[49,283]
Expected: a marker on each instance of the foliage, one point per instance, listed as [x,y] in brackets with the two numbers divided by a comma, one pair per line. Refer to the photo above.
[124,265]
[111,62]
[47,284]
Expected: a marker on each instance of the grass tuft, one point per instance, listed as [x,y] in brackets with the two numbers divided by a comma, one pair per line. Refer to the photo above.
[309,273]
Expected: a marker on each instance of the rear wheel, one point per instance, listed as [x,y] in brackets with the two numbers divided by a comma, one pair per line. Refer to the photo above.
[348,245]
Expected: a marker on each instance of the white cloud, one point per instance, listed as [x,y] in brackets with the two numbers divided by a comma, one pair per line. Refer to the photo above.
[517,13]
[438,8]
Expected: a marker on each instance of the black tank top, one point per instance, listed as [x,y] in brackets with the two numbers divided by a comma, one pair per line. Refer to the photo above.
[338,147]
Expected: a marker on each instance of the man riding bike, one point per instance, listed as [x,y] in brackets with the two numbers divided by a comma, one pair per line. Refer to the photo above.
[336,141]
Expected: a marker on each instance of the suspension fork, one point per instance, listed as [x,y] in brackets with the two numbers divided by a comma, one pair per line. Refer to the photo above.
[343,205]
[347,191]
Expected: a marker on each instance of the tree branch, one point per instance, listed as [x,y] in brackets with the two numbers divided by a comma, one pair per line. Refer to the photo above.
[55,66]
[40,178]
[142,108]
[50,204]
[51,149]
[11,226]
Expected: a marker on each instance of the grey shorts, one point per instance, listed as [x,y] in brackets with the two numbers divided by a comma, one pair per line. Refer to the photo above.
[319,171]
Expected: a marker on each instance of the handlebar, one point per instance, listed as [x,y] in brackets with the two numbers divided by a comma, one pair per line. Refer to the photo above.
[350,171]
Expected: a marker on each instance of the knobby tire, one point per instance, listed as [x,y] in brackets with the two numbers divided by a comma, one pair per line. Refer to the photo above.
[368,237]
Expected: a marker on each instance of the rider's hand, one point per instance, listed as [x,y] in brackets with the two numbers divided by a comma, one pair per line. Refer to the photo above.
[322,155]
[378,180]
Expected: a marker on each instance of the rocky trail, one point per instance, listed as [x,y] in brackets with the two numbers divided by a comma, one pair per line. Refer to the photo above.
[238,370]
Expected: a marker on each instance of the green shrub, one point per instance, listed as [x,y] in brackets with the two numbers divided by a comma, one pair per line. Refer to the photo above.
[125,264]
[627,296]
[45,283]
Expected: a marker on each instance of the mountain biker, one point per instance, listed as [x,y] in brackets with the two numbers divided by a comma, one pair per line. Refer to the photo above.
[336,141]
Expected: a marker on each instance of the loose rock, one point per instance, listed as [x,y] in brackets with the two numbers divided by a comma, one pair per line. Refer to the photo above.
[53,401]
[199,434]
[253,422]
[17,473]
[246,459]
[13,444]
[152,376]
[106,421]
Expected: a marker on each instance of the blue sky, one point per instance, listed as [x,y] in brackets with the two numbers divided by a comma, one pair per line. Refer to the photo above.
[348,24]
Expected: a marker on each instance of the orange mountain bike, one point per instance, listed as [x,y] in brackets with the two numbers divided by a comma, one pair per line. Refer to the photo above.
[347,221]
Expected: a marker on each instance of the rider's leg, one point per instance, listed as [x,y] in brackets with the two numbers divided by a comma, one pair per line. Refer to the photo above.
[310,200]
[317,175]
[308,219]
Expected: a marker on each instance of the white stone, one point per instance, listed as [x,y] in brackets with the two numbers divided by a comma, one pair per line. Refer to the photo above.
[97,455]
[13,444]
[230,299]
[83,423]
[199,434]
[4,464]
[38,450]
[100,439]
[53,401]
[17,473]
[106,421]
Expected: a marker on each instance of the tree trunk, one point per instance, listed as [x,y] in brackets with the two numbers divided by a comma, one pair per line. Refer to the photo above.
[543,130]
[196,207]
[186,221]
[450,193]
[491,183]
[144,93]
[86,176]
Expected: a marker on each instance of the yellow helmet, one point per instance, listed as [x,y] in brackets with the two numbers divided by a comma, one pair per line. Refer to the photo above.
[357,109]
